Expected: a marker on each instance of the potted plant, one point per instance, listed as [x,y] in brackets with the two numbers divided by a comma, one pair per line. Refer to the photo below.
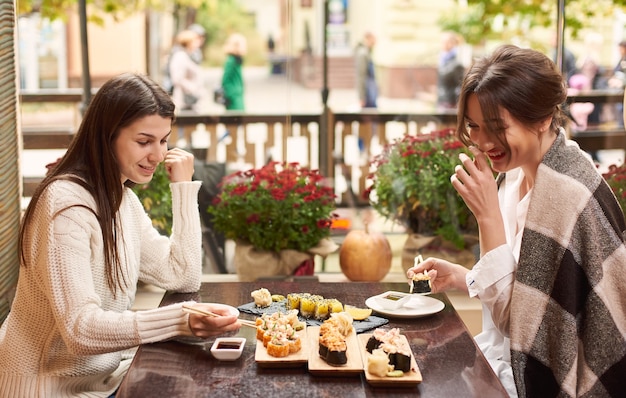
[279,216]
[156,198]
[616,178]
[410,184]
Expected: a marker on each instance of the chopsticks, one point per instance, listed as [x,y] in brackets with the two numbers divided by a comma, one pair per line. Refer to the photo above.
[418,259]
[198,311]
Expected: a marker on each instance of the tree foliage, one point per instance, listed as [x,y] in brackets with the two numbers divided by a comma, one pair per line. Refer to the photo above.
[220,18]
[225,18]
[98,9]
[483,20]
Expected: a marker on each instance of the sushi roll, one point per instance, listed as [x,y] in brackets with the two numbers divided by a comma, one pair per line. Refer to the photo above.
[372,344]
[421,283]
[295,344]
[333,351]
[393,346]
[322,310]
[307,306]
[278,347]
[400,361]
[332,345]
[267,337]
[293,301]
[335,306]
[260,331]
[323,351]
[337,357]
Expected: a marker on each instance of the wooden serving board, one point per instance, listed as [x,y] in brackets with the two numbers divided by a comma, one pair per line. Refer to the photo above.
[318,366]
[410,378]
[263,359]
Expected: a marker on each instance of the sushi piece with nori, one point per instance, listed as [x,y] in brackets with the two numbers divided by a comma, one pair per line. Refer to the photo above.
[397,350]
[421,283]
[400,361]
[372,344]
[336,357]
[323,351]
[333,351]
[332,346]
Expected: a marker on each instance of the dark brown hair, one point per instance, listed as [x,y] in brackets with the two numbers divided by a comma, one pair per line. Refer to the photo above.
[525,82]
[91,163]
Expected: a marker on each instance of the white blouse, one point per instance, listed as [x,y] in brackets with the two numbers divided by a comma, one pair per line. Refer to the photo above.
[492,279]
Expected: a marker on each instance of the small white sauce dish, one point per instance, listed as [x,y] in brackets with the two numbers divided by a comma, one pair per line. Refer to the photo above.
[228,348]
[392,300]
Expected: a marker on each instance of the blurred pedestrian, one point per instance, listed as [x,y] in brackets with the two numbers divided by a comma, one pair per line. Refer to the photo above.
[568,60]
[198,54]
[232,77]
[450,72]
[188,85]
[618,80]
[365,74]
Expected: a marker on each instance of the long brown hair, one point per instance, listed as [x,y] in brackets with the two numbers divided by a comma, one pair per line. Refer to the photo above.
[525,82]
[91,163]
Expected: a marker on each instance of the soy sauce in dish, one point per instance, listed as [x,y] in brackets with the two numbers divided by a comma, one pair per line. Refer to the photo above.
[227,346]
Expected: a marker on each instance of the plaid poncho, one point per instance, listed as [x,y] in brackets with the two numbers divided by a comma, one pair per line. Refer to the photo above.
[568,310]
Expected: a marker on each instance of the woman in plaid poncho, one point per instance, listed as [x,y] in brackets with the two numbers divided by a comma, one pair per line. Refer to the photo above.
[552,271]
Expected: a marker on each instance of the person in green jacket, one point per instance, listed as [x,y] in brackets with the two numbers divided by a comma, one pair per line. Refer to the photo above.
[232,78]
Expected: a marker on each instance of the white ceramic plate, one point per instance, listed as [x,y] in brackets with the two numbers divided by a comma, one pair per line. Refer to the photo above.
[416,307]
[392,300]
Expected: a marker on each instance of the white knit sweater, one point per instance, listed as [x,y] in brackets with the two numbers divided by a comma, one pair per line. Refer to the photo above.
[67,335]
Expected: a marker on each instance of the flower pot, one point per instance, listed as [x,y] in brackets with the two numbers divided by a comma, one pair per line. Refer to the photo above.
[307,267]
[252,263]
[436,246]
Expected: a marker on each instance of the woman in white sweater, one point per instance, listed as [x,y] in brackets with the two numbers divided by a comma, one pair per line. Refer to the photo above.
[86,241]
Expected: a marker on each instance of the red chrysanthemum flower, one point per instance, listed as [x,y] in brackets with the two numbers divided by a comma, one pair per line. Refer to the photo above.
[278,206]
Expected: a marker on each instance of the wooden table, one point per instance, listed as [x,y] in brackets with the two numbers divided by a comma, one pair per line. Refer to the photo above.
[447,356]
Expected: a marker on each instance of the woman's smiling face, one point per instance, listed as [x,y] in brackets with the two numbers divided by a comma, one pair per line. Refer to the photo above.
[524,143]
[141,146]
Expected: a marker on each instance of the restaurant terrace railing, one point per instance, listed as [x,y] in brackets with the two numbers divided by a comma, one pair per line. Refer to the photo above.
[244,140]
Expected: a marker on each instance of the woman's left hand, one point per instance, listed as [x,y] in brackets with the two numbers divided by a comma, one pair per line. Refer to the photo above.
[475,182]
[179,165]
[207,326]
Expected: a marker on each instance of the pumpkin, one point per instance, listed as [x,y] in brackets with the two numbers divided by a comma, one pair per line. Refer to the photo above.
[365,256]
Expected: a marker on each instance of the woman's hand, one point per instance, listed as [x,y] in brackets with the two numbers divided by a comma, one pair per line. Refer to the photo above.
[475,182]
[179,165]
[444,275]
[206,326]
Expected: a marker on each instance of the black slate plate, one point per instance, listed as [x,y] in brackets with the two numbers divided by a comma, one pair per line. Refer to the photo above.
[371,322]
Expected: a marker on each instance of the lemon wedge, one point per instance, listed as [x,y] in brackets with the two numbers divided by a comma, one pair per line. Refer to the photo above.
[358,314]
